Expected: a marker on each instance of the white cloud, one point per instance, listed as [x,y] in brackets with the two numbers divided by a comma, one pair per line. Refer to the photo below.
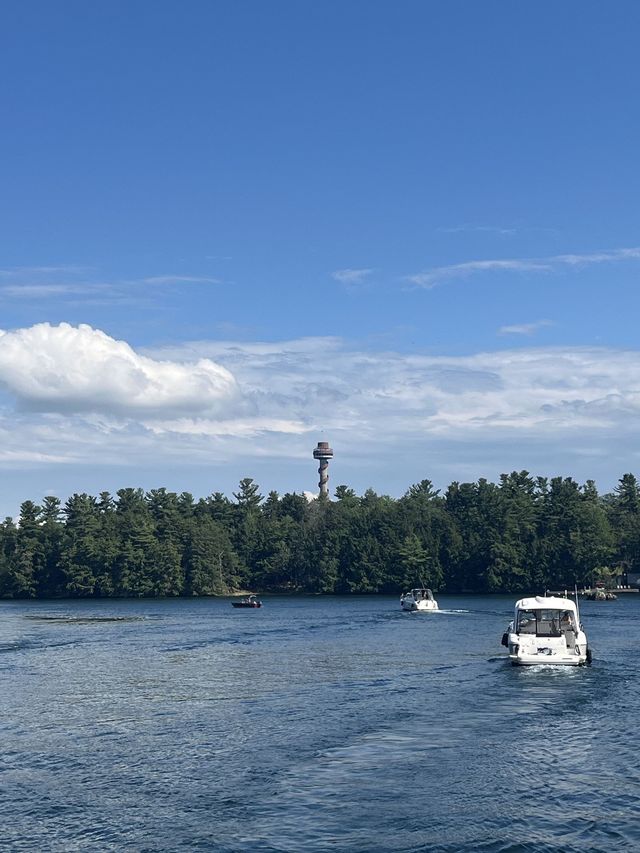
[500,230]
[524,328]
[76,282]
[46,291]
[632,254]
[10,457]
[484,229]
[236,427]
[65,269]
[179,279]
[430,278]
[248,350]
[68,368]
[392,397]
[351,276]
[243,409]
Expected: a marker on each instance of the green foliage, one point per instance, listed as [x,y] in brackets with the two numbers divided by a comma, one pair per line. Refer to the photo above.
[521,534]
[416,565]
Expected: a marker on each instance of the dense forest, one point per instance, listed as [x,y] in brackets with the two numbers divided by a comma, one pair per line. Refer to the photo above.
[522,534]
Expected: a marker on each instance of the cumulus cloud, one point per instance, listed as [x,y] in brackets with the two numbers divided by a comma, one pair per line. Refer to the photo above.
[68,368]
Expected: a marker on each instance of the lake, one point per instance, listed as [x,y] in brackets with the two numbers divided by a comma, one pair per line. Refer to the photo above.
[312,724]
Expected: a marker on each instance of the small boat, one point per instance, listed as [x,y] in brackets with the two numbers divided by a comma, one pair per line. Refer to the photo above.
[247,601]
[418,599]
[546,630]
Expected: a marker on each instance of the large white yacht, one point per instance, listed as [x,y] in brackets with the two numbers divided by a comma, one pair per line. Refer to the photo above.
[546,630]
[418,599]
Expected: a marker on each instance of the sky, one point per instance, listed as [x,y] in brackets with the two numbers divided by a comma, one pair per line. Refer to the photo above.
[230,229]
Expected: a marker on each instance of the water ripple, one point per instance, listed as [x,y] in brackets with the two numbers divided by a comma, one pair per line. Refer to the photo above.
[323,724]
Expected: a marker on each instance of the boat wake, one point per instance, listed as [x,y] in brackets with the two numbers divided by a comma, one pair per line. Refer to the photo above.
[560,669]
[452,612]
[81,620]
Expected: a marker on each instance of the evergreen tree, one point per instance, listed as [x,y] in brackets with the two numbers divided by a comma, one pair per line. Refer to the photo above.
[135,562]
[25,569]
[624,514]
[51,580]
[8,544]
[414,561]
[82,551]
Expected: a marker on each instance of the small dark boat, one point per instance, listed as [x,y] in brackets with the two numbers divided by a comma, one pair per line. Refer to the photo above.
[248,601]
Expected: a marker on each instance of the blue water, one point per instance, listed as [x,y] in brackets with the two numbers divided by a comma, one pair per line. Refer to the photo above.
[312,724]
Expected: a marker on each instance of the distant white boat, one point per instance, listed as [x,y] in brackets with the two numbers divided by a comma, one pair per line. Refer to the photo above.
[418,599]
[546,630]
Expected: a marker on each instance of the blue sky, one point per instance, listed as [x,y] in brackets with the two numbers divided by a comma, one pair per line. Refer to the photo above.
[231,229]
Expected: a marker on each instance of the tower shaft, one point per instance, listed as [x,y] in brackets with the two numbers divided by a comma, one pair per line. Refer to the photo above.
[323,471]
[323,453]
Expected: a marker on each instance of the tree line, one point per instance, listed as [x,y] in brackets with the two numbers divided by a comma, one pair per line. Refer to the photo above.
[523,534]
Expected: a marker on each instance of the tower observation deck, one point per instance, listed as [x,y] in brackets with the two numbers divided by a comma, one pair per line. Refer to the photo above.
[323,453]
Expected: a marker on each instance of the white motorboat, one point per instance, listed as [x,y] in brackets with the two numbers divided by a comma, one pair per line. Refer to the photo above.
[418,599]
[546,630]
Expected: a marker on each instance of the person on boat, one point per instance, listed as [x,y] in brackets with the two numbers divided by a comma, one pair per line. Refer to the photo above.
[566,623]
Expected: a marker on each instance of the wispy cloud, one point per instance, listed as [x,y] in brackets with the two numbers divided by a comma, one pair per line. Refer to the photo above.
[598,257]
[75,283]
[487,229]
[431,277]
[80,395]
[545,409]
[524,328]
[500,230]
[65,269]
[178,279]
[434,276]
[351,276]
[419,395]
[49,291]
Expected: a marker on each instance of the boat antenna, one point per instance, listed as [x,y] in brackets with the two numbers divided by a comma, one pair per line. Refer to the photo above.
[575,589]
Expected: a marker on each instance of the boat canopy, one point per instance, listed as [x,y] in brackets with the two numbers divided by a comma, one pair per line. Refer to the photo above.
[545,616]
[542,602]
[422,593]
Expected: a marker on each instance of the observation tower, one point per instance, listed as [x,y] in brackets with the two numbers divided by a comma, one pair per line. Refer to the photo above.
[323,453]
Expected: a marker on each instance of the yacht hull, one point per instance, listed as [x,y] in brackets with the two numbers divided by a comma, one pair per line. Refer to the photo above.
[415,607]
[548,660]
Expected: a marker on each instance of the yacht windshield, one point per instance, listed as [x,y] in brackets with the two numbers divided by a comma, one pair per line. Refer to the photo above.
[542,623]
[422,593]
